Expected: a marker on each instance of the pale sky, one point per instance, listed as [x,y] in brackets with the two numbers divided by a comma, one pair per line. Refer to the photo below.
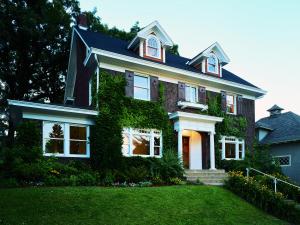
[261,37]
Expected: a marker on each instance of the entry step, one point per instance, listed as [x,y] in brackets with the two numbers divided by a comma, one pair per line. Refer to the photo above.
[208,177]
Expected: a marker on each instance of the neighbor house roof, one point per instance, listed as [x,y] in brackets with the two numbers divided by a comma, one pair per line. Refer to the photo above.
[101,41]
[284,127]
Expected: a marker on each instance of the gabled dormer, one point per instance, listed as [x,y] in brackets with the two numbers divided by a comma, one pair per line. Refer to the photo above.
[151,42]
[211,60]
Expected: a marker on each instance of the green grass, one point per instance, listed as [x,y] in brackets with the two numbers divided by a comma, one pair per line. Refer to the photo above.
[157,205]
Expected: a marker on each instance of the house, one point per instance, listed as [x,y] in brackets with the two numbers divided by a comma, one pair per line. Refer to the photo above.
[281,132]
[145,62]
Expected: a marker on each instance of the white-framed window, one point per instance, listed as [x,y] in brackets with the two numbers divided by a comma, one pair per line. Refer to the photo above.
[232,148]
[65,140]
[153,47]
[283,160]
[230,103]
[212,64]
[191,93]
[141,87]
[142,142]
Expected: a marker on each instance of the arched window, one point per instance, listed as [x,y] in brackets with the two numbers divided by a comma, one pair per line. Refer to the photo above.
[212,64]
[153,47]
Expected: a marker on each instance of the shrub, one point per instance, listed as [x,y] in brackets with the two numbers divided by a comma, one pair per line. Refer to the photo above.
[261,196]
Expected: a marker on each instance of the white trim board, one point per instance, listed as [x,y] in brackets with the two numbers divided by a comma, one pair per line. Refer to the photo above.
[56,108]
[259,92]
[122,69]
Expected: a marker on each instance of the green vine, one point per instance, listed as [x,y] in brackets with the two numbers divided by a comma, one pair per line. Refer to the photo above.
[117,111]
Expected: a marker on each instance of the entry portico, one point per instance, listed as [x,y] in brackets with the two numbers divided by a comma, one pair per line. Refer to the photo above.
[200,129]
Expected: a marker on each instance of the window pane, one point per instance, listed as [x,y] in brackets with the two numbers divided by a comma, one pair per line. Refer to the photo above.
[156,150]
[229,150]
[141,93]
[78,147]
[283,160]
[187,93]
[78,133]
[125,146]
[193,94]
[152,43]
[140,81]
[212,60]
[141,145]
[156,141]
[153,52]
[53,130]
[240,151]
[54,146]
[230,103]
[211,68]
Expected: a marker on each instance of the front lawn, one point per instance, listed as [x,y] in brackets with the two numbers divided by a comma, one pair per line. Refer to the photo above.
[155,205]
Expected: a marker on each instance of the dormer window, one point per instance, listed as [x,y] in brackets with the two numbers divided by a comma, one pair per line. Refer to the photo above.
[212,64]
[153,47]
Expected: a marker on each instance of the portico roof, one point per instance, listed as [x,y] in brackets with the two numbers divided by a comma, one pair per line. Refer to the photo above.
[193,116]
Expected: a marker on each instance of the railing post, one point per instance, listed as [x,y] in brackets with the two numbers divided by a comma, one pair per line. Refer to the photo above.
[247,172]
[275,185]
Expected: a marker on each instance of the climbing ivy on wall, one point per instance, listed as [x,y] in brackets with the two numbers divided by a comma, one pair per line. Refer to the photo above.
[117,111]
[230,126]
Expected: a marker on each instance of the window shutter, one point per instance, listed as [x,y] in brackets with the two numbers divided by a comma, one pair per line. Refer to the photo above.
[239,102]
[154,88]
[181,91]
[202,95]
[223,101]
[129,76]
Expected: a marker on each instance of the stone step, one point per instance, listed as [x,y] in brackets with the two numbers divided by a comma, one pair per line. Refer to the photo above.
[209,179]
[204,171]
[206,175]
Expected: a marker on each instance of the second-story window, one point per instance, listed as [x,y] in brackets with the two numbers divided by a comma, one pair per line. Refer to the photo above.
[231,104]
[212,64]
[153,47]
[191,94]
[141,87]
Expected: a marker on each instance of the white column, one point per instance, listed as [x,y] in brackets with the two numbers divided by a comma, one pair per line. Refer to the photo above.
[180,145]
[223,148]
[212,151]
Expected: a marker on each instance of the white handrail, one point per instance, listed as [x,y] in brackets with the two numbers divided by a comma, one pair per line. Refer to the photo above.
[272,177]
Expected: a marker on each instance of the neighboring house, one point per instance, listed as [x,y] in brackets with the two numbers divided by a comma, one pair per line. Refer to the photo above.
[281,131]
[145,62]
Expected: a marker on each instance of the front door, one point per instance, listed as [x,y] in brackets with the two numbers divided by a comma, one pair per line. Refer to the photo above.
[186,151]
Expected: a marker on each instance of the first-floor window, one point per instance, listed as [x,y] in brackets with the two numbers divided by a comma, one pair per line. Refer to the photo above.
[283,160]
[64,139]
[142,142]
[232,148]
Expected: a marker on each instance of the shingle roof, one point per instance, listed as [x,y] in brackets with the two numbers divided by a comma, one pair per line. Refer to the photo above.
[101,41]
[285,128]
[274,108]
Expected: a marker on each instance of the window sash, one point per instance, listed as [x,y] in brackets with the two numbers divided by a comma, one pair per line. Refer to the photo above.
[231,104]
[281,157]
[191,96]
[67,140]
[143,87]
[239,148]
[127,148]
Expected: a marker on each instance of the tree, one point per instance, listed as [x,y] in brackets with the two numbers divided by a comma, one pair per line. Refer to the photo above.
[34,49]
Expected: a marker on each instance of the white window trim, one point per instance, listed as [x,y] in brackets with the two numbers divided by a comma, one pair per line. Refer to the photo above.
[90,91]
[158,47]
[234,102]
[237,142]
[190,97]
[66,138]
[130,131]
[217,64]
[290,159]
[148,86]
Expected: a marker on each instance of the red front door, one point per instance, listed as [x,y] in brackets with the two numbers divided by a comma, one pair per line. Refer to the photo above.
[186,152]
